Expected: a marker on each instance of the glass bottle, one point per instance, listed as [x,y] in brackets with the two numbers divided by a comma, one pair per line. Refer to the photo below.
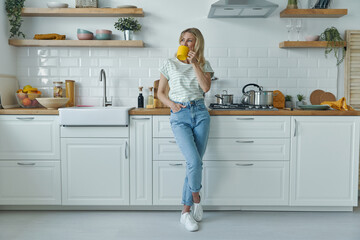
[150,102]
[58,89]
[140,98]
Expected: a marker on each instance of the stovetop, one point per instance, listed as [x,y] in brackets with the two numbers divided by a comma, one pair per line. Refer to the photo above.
[238,106]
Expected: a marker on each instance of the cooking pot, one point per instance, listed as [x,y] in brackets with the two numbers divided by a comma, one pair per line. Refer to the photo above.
[249,96]
[264,98]
[225,98]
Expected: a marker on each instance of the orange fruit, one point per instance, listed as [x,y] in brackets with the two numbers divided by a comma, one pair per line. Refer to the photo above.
[26,101]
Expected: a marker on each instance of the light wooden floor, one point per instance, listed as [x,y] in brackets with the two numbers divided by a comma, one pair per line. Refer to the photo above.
[128,225]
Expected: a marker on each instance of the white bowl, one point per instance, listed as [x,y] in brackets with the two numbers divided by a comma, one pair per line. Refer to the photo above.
[312,38]
[57,5]
[52,103]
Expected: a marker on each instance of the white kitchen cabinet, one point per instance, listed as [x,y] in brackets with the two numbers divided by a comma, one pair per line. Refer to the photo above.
[141,160]
[95,171]
[162,127]
[29,137]
[246,183]
[168,182]
[166,149]
[30,183]
[325,161]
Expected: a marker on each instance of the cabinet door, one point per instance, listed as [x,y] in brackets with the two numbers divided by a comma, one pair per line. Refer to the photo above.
[325,155]
[30,183]
[162,127]
[95,171]
[29,137]
[141,160]
[168,182]
[166,149]
[246,183]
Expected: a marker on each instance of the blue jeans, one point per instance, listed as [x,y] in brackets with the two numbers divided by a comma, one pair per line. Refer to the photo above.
[191,127]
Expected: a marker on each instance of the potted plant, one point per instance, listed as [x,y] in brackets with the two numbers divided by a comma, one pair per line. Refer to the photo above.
[300,100]
[128,25]
[288,101]
[13,9]
[335,43]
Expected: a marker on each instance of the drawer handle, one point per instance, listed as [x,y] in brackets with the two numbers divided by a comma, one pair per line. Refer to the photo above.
[145,118]
[172,141]
[244,141]
[175,164]
[245,118]
[26,164]
[244,164]
[126,150]
[25,118]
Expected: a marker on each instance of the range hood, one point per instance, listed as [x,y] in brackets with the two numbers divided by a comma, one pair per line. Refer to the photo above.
[241,9]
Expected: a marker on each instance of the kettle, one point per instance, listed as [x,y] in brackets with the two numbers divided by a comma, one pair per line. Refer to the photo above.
[249,96]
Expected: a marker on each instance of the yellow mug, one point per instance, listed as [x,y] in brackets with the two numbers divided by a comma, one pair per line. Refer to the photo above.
[182,53]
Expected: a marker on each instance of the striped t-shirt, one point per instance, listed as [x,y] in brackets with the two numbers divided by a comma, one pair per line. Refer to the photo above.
[182,79]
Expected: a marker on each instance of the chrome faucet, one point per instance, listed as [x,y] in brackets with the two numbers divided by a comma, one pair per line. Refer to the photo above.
[105,101]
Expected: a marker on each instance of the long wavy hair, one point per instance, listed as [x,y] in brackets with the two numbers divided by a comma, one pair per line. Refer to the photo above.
[199,44]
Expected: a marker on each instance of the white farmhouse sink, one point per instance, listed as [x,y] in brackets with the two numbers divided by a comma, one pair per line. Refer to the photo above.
[94,116]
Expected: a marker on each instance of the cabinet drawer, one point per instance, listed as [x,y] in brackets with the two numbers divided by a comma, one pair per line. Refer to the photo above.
[30,183]
[250,126]
[165,149]
[162,127]
[247,149]
[29,137]
[246,183]
[168,181]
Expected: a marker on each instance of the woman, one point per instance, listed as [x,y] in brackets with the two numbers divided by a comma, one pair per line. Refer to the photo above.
[189,119]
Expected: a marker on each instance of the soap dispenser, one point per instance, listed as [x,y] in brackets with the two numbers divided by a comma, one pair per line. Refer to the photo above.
[150,102]
[140,98]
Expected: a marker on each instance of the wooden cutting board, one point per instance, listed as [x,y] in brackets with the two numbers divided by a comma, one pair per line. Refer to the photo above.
[315,97]
[278,99]
[327,96]
[8,87]
[157,102]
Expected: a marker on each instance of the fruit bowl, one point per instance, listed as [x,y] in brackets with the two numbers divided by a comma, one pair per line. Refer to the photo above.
[28,100]
[52,103]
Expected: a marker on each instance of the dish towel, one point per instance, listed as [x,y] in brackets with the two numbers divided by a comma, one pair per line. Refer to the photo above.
[50,36]
[339,105]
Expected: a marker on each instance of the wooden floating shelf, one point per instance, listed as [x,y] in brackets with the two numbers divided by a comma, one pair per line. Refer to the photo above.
[75,43]
[82,12]
[304,44]
[313,13]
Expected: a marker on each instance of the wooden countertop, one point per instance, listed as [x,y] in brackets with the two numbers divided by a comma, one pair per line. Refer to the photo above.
[166,111]
[28,111]
[281,112]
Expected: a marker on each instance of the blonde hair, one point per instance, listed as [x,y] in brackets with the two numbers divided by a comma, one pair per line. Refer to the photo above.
[199,44]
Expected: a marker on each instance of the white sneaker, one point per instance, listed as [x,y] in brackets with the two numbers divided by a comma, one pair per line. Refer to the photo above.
[188,221]
[197,212]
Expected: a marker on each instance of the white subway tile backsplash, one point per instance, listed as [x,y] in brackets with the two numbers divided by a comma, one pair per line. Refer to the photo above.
[228,62]
[108,62]
[238,52]
[292,71]
[237,72]
[297,72]
[257,72]
[268,62]
[129,62]
[318,73]
[139,72]
[218,52]
[288,63]
[248,62]
[258,52]
[69,62]
[149,62]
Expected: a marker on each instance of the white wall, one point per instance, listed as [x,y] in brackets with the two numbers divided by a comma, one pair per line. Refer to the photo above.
[8,56]
[240,50]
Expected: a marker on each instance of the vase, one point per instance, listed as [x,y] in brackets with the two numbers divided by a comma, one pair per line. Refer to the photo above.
[292,4]
[288,104]
[128,35]
[299,103]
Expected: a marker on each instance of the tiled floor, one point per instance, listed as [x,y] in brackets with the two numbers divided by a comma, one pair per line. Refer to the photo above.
[128,225]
